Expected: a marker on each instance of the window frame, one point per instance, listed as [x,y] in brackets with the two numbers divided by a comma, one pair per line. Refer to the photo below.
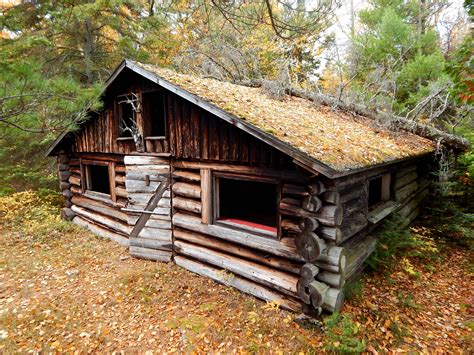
[118,115]
[215,199]
[386,193]
[147,123]
[86,179]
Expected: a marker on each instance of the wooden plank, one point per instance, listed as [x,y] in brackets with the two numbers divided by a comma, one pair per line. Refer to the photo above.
[150,254]
[270,245]
[378,214]
[140,186]
[100,231]
[102,220]
[145,160]
[239,283]
[206,192]
[155,233]
[113,194]
[240,251]
[145,169]
[279,280]
[151,205]
[158,223]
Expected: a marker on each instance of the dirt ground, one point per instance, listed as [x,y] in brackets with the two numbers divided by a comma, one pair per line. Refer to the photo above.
[67,290]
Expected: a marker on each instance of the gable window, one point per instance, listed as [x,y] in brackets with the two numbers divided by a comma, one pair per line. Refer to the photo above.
[154,114]
[126,117]
[96,177]
[379,190]
[246,203]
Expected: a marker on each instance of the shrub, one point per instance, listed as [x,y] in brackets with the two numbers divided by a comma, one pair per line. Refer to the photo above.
[342,334]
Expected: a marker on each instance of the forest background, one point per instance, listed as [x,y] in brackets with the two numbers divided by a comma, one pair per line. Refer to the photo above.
[411,58]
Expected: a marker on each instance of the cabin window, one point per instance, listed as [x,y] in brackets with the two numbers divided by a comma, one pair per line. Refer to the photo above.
[127,118]
[247,203]
[379,190]
[154,114]
[96,177]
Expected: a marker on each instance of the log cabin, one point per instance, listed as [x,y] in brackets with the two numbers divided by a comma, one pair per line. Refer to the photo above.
[277,197]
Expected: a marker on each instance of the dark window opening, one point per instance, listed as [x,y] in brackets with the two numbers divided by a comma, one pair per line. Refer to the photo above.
[154,114]
[375,191]
[98,178]
[248,203]
[126,119]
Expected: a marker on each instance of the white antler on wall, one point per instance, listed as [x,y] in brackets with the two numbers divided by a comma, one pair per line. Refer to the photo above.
[134,130]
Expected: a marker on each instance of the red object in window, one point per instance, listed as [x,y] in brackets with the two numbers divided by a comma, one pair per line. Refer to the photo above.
[250,224]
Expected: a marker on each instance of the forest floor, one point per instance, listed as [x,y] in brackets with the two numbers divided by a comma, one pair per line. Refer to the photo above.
[64,289]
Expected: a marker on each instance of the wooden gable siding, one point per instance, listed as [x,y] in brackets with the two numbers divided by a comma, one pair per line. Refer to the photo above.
[192,132]
[199,135]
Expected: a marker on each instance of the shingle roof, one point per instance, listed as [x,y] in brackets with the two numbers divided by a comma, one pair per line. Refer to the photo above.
[335,138]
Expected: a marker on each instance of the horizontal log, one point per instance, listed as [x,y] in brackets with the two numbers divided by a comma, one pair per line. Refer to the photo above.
[120,169]
[358,250]
[317,292]
[63,185]
[240,251]
[295,190]
[144,160]
[258,242]
[288,209]
[64,175]
[239,283]
[75,180]
[405,180]
[75,171]
[150,254]
[353,192]
[147,169]
[343,182]
[331,197]
[67,214]
[352,225]
[265,275]
[100,207]
[187,175]
[335,256]
[66,193]
[333,300]
[316,188]
[308,273]
[187,190]
[76,190]
[330,233]
[401,172]
[187,204]
[140,186]
[120,179]
[354,205]
[409,206]
[290,226]
[289,175]
[152,243]
[405,192]
[331,279]
[310,246]
[102,232]
[120,191]
[67,203]
[312,203]
[102,220]
[308,225]
[381,212]
[330,215]
[152,176]
[155,233]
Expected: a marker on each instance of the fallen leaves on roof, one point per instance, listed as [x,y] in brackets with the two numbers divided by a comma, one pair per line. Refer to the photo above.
[332,137]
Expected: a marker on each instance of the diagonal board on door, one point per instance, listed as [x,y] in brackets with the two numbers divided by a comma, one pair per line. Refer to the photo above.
[149,208]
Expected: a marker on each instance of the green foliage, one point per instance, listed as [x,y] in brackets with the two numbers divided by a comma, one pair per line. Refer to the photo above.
[394,242]
[342,334]
[354,290]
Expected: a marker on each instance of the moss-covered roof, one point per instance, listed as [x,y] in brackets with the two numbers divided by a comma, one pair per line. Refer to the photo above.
[335,138]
